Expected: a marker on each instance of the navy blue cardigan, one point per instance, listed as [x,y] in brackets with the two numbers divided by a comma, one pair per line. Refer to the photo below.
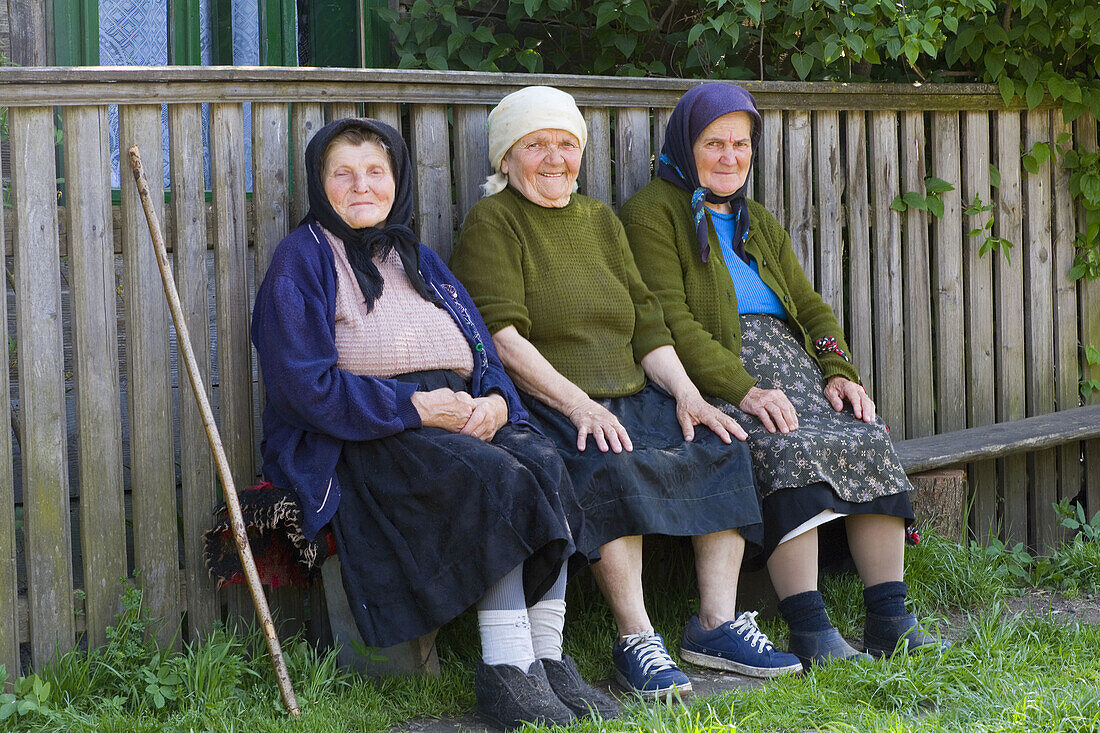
[313,406]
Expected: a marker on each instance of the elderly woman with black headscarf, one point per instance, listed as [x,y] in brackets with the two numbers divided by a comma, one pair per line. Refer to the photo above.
[390,415]
[752,332]
[584,339]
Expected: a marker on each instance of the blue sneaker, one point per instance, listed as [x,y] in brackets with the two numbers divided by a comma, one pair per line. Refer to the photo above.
[642,664]
[737,646]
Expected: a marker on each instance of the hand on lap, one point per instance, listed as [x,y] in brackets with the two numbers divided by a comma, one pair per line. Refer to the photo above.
[592,418]
[838,389]
[489,415]
[773,409]
[443,408]
[693,410]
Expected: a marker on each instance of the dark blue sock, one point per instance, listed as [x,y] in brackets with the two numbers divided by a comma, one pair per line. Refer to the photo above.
[886,599]
[805,612]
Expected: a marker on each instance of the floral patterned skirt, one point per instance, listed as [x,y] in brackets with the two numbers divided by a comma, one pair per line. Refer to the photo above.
[856,460]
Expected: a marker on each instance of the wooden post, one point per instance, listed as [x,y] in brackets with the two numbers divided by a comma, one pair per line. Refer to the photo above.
[938,498]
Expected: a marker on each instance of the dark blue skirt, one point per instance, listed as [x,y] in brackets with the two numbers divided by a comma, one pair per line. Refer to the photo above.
[429,519]
[666,485]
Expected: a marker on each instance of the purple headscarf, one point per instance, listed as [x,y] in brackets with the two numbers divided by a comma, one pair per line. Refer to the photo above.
[699,107]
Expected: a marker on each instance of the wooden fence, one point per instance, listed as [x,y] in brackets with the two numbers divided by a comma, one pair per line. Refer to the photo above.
[944,338]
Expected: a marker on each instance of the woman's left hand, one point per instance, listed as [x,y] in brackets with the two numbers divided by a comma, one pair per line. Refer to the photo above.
[838,389]
[693,410]
[489,415]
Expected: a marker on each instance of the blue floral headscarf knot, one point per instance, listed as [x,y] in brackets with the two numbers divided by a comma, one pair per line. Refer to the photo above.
[699,107]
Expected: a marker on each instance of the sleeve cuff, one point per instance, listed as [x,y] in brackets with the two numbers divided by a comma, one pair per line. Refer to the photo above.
[406,410]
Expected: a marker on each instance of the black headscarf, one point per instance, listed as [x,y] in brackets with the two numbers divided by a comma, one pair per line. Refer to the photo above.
[363,244]
[699,107]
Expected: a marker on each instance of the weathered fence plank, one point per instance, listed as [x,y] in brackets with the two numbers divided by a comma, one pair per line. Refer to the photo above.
[41,387]
[341,110]
[919,417]
[471,145]
[595,176]
[859,248]
[980,371]
[660,125]
[886,274]
[947,289]
[632,152]
[1039,333]
[770,159]
[431,156]
[270,178]
[1065,316]
[10,636]
[198,490]
[148,379]
[1089,310]
[1009,310]
[828,191]
[306,118]
[388,112]
[800,182]
[95,364]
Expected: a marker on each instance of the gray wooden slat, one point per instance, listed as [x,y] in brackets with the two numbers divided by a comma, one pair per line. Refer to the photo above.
[978,294]
[947,288]
[431,161]
[270,181]
[388,112]
[1088,294]
[828,190]
[306,118]
[660,126]
[198,490]
[1009,312]
[148,378]
[595,176]
[1065,316]
[95,364]
[632,152]
[859,247]
[919,395]
[1039,333]
[886,273]
[799,164]
[1000,439]
[41,387]
[770,160]
[471,145]
[10,636]
[341,110]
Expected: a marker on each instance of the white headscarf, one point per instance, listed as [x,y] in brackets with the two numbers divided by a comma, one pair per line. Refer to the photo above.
[523,112]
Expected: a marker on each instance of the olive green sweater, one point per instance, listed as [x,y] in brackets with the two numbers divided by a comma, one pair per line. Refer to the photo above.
[566,279]
[698,299]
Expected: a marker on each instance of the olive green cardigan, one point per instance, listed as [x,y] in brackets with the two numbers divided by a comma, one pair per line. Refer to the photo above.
[698,299]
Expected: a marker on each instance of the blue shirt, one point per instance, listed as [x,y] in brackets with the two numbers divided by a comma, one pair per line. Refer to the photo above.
[753,294]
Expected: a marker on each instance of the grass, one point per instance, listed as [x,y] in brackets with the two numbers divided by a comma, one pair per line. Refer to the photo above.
[1005,673]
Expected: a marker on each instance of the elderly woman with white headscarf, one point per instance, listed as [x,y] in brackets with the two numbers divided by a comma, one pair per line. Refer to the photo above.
[580,334]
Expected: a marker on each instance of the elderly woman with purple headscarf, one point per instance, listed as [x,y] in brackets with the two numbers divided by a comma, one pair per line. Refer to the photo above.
[753,334]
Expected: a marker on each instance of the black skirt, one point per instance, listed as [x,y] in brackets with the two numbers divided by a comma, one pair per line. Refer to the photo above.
[429,519]
[666,485]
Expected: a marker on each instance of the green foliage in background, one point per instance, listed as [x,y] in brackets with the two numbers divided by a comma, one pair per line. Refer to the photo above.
[1028,48]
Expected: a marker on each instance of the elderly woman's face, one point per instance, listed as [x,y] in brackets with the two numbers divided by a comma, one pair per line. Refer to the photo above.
[359,183]
[723,152]
[543,166]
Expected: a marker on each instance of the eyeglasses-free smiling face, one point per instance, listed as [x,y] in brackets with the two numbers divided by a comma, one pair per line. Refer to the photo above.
[723,152]
[359,183]
[543,166]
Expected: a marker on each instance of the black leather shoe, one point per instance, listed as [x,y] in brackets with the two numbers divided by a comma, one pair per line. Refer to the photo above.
[882,635]
[578,695]
[508,697]
[823,647]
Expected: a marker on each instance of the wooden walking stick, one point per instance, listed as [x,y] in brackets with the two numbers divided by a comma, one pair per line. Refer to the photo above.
[183,339]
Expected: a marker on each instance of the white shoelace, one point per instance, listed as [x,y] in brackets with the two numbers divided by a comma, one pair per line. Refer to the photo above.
[746,624]
[651,652]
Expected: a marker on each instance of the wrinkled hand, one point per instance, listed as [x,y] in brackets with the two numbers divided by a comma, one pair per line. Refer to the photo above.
[694,410]
[592,418]
[489,415]
[838,389]
[443,408]
[773,409]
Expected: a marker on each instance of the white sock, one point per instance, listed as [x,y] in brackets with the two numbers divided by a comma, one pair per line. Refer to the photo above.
[506,638]
[547,621]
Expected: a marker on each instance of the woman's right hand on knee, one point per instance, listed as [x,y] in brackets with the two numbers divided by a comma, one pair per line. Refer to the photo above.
[443,408]
[592,418]
[772,407]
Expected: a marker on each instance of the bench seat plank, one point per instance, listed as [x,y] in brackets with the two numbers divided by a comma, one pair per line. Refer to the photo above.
[1000,439]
